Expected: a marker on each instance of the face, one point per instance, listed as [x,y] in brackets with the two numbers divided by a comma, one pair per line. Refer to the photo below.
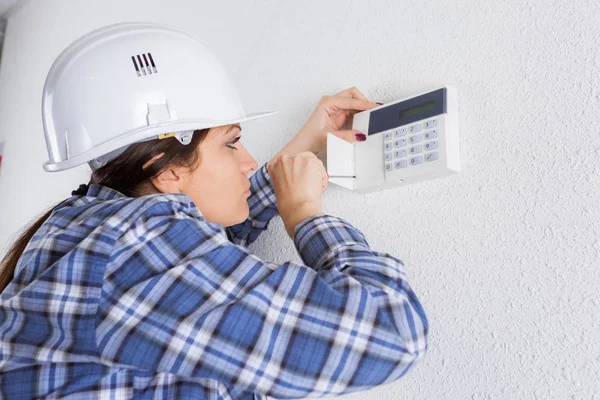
[219,184]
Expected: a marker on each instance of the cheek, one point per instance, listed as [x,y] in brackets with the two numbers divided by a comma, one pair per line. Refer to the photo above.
[219,182]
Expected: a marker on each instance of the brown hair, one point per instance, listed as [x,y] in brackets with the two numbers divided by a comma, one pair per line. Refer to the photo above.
[133,183]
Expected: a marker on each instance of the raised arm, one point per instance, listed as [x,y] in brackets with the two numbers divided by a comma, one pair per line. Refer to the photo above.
[180,298]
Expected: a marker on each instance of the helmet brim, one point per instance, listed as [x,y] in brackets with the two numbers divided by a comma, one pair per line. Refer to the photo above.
[145,133]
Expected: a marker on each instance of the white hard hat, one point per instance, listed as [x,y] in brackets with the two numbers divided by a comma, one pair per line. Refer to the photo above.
[131,82]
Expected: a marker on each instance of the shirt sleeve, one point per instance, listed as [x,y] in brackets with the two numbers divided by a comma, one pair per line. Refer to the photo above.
[263,207]
[179,298]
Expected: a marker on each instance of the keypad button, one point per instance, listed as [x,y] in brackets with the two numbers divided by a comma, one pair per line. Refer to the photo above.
[414,128]
[431,145]
[388,167]
[400,153]
[387,136]
[399,143]
[416,149]
[432,123]
[431,156]
[388,156]
[430,135]
[415,139]
[416,160]
[387,146]
[400,132]
[400,164]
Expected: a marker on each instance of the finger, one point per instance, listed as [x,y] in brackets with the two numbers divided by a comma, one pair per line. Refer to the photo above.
[351,113]
[349,135]
[354,93]
[308,154]
[346,103]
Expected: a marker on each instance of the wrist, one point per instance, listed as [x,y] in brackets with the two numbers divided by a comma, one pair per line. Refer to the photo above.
[299,214]
[294,146]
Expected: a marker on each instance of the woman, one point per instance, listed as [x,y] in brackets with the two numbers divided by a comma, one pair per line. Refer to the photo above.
[141,284]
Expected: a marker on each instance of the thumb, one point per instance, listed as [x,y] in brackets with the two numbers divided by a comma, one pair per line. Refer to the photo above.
[350,135]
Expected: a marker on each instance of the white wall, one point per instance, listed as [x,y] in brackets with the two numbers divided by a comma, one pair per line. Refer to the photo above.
[504,256]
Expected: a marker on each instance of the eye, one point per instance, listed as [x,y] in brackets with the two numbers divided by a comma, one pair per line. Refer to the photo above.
[234,141]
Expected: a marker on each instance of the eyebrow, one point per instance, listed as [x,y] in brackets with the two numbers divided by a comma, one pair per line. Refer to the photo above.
[232,127]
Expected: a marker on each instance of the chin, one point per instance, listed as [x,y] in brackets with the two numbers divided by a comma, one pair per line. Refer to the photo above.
[242,215]
[246,213]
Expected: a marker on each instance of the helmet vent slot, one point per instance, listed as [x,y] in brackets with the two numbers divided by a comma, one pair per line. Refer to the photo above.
[142,67]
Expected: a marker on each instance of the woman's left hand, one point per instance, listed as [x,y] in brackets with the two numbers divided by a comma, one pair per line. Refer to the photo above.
[330,115]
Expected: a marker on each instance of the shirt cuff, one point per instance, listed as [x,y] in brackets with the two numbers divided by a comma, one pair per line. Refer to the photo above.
[262,191]
[319,237]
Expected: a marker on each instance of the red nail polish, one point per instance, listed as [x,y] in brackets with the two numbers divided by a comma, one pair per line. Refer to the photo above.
[360,137]
[378,103]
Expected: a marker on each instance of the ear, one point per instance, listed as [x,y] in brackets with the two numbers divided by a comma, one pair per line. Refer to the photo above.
[170,180]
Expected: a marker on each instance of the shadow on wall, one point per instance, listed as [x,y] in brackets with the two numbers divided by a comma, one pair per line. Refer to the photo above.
[2,30]
[1,152]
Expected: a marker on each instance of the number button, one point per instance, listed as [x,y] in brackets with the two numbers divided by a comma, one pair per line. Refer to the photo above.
[414,128]
[432,123]
[399,143]
[431,145]
[416,160]
[400,153]
[415,139]
[399,132]
[388,167]
[431,134]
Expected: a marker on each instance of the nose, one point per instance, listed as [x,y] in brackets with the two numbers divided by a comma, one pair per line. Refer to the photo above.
[248,162]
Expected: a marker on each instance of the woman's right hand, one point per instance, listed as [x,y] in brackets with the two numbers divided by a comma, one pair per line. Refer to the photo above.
[299,181]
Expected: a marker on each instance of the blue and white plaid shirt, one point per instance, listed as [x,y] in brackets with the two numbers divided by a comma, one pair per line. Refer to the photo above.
[118,297]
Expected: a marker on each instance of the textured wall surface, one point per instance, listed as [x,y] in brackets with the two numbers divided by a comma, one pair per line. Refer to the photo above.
[504,256]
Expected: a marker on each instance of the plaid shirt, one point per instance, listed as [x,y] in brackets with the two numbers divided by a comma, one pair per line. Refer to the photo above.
[120,297]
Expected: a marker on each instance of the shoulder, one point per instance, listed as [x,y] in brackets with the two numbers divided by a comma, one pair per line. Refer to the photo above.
[172,216]
[120,214]
[156,234]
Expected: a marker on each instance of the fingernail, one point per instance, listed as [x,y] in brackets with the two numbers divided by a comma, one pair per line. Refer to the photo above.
[360,137]
[378,103]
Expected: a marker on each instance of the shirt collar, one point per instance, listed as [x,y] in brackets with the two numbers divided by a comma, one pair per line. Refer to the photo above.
[103,192]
